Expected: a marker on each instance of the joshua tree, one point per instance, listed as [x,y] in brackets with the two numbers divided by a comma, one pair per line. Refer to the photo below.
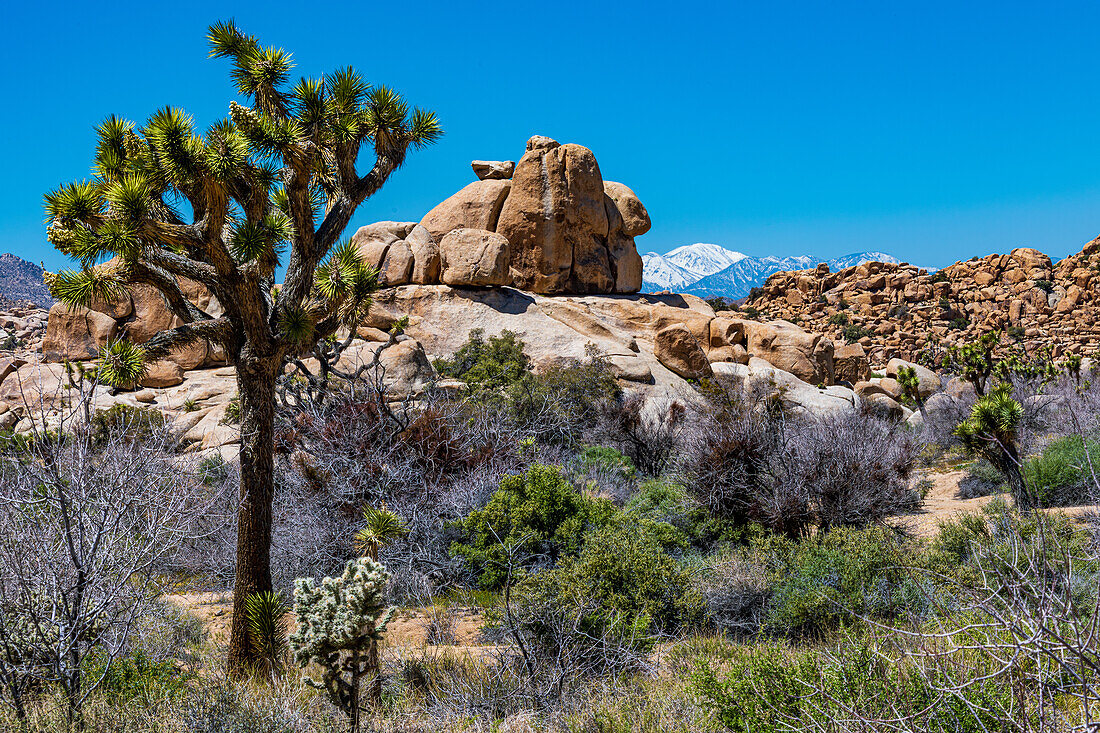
[991,433]
[278,176]
[975,361]
[910,388]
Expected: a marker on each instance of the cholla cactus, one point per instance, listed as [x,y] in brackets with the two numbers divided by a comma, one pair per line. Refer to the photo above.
[339,621]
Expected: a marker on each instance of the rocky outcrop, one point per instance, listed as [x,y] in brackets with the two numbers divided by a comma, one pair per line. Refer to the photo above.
[487,170]
[475,207]
[850,363]
[808,356]
[77,334]
[569,231]
[680,352]
[898,310]
[654,340]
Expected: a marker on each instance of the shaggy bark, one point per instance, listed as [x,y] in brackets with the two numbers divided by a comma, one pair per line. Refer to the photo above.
[256,384]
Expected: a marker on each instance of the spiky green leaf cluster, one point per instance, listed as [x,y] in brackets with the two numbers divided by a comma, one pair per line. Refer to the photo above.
[86,286]
[994,419]
[121,363]
[267,625]
[346,282]
[381,527]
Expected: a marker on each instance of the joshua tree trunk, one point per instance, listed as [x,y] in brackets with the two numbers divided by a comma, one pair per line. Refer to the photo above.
[256,386]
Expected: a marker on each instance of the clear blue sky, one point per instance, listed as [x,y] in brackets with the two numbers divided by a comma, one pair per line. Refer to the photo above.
[933,130]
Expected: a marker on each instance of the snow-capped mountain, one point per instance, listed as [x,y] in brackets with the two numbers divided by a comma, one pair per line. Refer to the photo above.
[685,265]
[685,269]
[659,273]
[859,258]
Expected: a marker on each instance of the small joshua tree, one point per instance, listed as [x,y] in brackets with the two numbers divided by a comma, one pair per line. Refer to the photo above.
[910,387]
[278,180]
[991,433]
[339,621]
[975,361]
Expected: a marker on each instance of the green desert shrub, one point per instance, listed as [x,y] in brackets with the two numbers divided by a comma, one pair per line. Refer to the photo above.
[855,332]
[1061,475]
[556,405]
[668,501]
[981,479]
[564,402]
[540,513]
[772,687]
[623,576]
[126,421]
[819,582]
[487,364]
[605,458]
[137,676]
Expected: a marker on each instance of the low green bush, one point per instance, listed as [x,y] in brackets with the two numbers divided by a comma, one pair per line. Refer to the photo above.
[981,479]
[130,423]
[622,576]
[487,364]
[821,581]
[605,458]
[540,513]
[136,676]
[556,405]
[669,502]
[772,687]
[1061,475]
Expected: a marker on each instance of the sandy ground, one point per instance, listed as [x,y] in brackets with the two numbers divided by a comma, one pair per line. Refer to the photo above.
[942,503]
[408,629]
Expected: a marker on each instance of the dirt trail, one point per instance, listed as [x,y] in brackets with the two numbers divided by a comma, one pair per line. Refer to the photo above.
[408,629]
[943,503]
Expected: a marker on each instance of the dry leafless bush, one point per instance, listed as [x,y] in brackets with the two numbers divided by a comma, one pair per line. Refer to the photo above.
[646,430]
[89,523]
[792,474]
[435,463]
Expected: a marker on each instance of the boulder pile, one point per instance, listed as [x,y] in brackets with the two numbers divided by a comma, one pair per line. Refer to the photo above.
[894,310]
[543,247]
[548,224]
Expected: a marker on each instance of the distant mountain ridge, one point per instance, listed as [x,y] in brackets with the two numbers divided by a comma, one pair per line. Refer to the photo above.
[22,281]
[709,270]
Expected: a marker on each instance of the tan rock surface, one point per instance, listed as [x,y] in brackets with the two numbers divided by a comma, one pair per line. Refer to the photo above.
[477,206]
[474,257]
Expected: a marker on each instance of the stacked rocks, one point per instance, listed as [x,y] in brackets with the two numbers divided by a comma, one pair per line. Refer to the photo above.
[548,224]
[899,310]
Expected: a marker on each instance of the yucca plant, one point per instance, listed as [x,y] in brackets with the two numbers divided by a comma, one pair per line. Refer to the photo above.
[991,432]
[276,182]
[381,528]
[267,628]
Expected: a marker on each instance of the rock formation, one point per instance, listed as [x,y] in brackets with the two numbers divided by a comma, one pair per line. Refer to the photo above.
[548,253]
[897,310]
[76,334]
[568,230]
